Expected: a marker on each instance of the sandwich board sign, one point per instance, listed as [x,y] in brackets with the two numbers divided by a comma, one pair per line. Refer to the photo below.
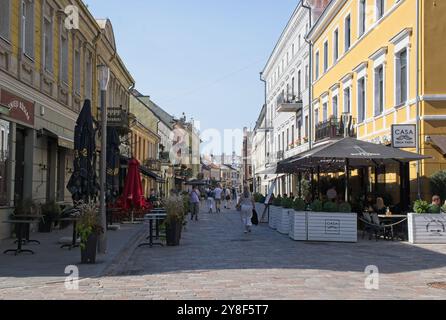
[267,200]
[404,136]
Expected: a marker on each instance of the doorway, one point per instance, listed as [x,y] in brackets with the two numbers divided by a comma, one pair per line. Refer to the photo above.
[19,175]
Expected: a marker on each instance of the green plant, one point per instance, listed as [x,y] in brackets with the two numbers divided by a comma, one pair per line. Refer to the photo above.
[438,184]
[421,206]
[50,211]
[89,222]
[345,207]
[434,209]
[287,203]
[316,206]
[299,205]
[175,207]
[277,202]
[330,206]
[443,208]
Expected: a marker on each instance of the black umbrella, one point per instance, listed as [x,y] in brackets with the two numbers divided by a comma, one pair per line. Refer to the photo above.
[83,183]
[113,165]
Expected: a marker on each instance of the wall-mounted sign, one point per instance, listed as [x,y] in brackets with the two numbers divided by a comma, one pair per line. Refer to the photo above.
[332,227]
[20,109]
[404,136]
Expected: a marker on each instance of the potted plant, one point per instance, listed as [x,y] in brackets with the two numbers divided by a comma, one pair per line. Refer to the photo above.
[89,228]
[283,223]
[174,206]
[298,220]
[50,212]
[426,225]
[274,211]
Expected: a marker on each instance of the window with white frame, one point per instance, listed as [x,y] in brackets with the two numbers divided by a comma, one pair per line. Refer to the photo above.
[64,57]
[316,116]
[401,84]
[325,111]
[299,85]
[307,125]
[347,33]
[325,56]
[347,100]
[5,13]
[380,9]
[77,71]
[316,75]
[362,15]
[307,80]
[379,90]
[361,100]
[27,28]
[299,43]
[48,43]
[334,103]
[336,45]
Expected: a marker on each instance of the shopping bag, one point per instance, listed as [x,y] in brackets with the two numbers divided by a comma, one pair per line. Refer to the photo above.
[255,218]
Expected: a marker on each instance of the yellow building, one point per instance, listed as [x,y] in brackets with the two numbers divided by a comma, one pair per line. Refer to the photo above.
[382,62]
[145,144]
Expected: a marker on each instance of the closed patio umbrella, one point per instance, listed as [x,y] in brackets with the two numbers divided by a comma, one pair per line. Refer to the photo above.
[133,196]
[83,184]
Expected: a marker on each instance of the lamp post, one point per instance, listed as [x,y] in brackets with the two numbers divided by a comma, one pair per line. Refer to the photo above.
[103,77]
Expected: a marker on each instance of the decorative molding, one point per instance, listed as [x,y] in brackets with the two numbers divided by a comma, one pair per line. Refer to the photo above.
[378,53]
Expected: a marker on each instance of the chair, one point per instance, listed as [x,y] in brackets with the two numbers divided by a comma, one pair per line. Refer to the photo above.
[373,226]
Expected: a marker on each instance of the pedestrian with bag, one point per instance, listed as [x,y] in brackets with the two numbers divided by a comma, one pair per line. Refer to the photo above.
[246,205]
[195,203]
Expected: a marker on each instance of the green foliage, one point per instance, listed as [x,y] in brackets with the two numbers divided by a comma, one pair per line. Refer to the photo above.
[434,209]
[299,205]
[317,206]
[287,203]
[176,209]
[345,207]
[258,197]
[330,206]
[50,210]
[277,202]
[438,184]
[89,222]
[443,208]
[421,206]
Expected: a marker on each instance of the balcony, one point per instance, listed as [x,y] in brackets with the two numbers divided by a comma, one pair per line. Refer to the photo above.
[119,119]
[165,157]
[335,128]
[153,164]
[280,155]
[289,103]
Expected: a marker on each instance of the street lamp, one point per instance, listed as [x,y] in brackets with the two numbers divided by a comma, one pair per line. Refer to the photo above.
[104,78]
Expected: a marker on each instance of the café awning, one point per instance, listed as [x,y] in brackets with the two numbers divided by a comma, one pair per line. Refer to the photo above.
[62,140]
[358,153]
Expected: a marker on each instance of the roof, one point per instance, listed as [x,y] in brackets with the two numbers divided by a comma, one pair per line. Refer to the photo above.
[165,117]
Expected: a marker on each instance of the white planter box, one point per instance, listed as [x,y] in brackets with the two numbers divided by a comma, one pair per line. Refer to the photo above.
[283,221]
[332,227]
[426,228]
[298,226]
[273,215]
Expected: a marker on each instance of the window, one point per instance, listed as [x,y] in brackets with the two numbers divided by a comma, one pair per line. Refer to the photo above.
[77,71]
[292,87]
[307,80]
[299,84]
[292,134]
[379,90]
[64,58]
[362,16]
[283,141]
[48,44]
[292,50]
[401,77]
[299,130]
[347,33]
[299,43]
[317,66]
[88,77]
[307,124]
[347,99]
[28,28]
[325,56]
[379,9]
[325,112]
[316,116]
[335,106]
[4,19]
[361,100]
[287,139]
[336,45]
[4,160]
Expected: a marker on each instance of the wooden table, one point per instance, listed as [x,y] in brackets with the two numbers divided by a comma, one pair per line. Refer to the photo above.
[157,217]
[31,218]
[74,240]
[19,224]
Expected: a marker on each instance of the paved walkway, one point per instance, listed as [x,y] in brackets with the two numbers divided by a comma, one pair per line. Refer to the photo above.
[217,261]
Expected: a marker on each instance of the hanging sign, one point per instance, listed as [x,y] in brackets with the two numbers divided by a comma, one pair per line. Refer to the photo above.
[404,136]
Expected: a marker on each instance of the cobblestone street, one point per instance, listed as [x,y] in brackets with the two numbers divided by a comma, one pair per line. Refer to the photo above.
[217,261]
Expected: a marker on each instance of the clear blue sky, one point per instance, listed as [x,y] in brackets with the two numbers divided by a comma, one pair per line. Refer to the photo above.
[202,57]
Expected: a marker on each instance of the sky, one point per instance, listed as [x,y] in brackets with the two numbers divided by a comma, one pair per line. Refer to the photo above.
[201,57]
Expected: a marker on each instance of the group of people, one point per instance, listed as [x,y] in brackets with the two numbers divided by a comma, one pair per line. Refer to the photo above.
[217,196]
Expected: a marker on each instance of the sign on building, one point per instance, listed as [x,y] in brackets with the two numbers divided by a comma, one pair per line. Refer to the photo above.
[404,136]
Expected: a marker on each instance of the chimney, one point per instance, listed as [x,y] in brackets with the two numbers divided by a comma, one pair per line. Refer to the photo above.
[318,7]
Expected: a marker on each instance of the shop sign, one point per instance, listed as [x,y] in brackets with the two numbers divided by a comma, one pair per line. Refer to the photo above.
[20,109]
[404,136]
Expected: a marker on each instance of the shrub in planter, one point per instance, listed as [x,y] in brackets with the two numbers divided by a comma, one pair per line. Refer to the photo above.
[50,212]
[330,207]
[277,202]
[287,203]
[317,206]
[434,209]
[299,205]
[89,228]
[421,206]
[175,208]
[345,207]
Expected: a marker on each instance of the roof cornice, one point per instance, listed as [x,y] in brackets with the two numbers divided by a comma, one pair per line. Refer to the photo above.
[324,20]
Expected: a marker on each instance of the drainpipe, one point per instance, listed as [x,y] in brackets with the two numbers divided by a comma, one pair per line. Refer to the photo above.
[266,113]
[310,79]
[418,126]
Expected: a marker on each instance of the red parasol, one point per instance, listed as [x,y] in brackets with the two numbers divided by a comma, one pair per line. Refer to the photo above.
[133,196]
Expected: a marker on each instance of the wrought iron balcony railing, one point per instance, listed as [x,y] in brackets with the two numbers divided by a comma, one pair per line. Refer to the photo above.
[335,128]
[289,103]
[153,164]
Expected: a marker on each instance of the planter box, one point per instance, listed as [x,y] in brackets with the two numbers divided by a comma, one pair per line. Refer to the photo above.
[298,225]
[426,228]
[273,213]
[332,227]
[283,221]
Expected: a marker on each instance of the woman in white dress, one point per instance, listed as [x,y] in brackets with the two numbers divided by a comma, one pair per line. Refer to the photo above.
[246,204]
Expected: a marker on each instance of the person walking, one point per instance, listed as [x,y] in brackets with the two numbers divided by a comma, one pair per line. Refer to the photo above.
[217,196]
[195,203]
[246,204]
[210,200]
